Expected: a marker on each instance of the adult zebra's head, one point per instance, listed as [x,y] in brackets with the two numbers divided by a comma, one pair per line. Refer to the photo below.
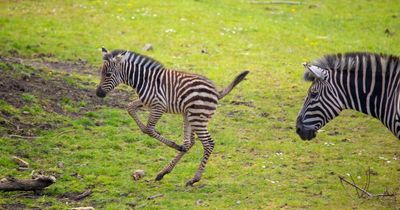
[110,71]
[322,103]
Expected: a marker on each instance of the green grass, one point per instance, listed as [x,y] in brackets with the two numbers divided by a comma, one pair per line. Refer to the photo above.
[258,162]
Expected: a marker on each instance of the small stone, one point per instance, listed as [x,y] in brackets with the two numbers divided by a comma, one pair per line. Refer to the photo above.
[264,114]
[99,123]
[345,140]
[238,202]
[138,174]
[60,164]
[389,32]
[148,47]
[25,112]
[199,202]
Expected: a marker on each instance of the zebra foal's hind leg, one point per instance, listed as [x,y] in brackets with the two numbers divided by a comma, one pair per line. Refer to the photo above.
[208,145]
[188,142]
[155,115]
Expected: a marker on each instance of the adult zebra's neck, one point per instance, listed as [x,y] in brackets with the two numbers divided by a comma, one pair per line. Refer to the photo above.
[138,71]
[369,83]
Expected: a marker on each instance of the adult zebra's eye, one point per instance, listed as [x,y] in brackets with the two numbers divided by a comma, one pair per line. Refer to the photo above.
[108,74]
[313,94]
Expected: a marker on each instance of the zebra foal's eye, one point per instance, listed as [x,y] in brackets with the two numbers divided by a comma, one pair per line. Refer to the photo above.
[108,74]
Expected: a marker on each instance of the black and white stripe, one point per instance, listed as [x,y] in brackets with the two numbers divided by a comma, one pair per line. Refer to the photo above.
[369,83]
[162,90]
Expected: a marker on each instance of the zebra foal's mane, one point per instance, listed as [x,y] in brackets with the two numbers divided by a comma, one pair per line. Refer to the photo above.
[334,62]
[114,53]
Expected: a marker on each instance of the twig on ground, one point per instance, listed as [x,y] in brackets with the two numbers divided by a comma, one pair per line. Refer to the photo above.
[64,132]
[20,162]
[276,2]
[354,182]
[83,195]
[23,137]
[155,196]
[342,179]
[140,206]
[364,191]
[83,208]
[368,175]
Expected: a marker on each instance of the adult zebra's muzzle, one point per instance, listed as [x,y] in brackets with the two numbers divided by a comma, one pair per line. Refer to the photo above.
[100,92]
[305,132]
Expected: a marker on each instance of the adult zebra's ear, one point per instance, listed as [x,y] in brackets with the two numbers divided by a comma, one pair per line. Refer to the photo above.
[315,72]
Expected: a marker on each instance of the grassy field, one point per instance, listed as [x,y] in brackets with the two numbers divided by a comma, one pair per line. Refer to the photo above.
[49,69]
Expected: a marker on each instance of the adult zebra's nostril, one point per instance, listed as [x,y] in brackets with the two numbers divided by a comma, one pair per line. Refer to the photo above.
[100,93]
[298,130]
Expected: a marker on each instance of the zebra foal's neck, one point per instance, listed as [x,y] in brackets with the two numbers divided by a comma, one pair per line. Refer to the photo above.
[137,70]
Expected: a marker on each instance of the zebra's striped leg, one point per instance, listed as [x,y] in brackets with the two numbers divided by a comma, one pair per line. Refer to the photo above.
[132,109]
[208,145]
[188,142]
[155,115]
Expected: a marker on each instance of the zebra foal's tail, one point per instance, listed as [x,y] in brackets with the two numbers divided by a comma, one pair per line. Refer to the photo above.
[236,81]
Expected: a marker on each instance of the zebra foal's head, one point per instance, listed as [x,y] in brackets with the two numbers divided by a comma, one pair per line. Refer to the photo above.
[110,71]
[321,104]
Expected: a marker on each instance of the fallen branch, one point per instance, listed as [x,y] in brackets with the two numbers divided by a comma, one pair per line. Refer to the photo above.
[276,2]
[37,183]
[363,192]
[342,179]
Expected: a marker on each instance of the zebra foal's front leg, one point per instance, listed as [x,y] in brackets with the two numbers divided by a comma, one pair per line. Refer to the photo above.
[155,115]
[133,107]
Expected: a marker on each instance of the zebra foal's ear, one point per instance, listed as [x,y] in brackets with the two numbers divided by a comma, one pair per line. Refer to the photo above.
[104,51]
[119,57]
[315,72]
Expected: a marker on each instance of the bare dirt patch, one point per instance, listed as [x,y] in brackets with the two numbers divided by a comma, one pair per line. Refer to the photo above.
[52,93]
[14,206]
[42,61]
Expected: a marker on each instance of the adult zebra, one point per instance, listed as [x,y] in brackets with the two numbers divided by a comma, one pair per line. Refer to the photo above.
[366,82]
[166,91]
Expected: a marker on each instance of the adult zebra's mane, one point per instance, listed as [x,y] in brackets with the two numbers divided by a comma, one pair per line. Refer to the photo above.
[334,62]
[126,53]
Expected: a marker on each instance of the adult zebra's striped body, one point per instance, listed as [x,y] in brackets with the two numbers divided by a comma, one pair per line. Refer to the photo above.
[162,91]
[369,83]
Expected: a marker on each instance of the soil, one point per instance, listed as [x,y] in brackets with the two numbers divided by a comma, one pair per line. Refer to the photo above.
[14,206]
[41,61]
[51,93]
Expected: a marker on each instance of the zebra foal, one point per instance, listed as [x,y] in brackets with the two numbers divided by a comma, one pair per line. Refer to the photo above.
[163,90]
[366,82]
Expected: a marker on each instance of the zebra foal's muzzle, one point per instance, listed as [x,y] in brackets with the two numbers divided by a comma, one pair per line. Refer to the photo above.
[305,132]
[100,92]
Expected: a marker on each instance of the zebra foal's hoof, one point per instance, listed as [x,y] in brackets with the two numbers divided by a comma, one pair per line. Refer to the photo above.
[182,148]
[159,177]
[191,182]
